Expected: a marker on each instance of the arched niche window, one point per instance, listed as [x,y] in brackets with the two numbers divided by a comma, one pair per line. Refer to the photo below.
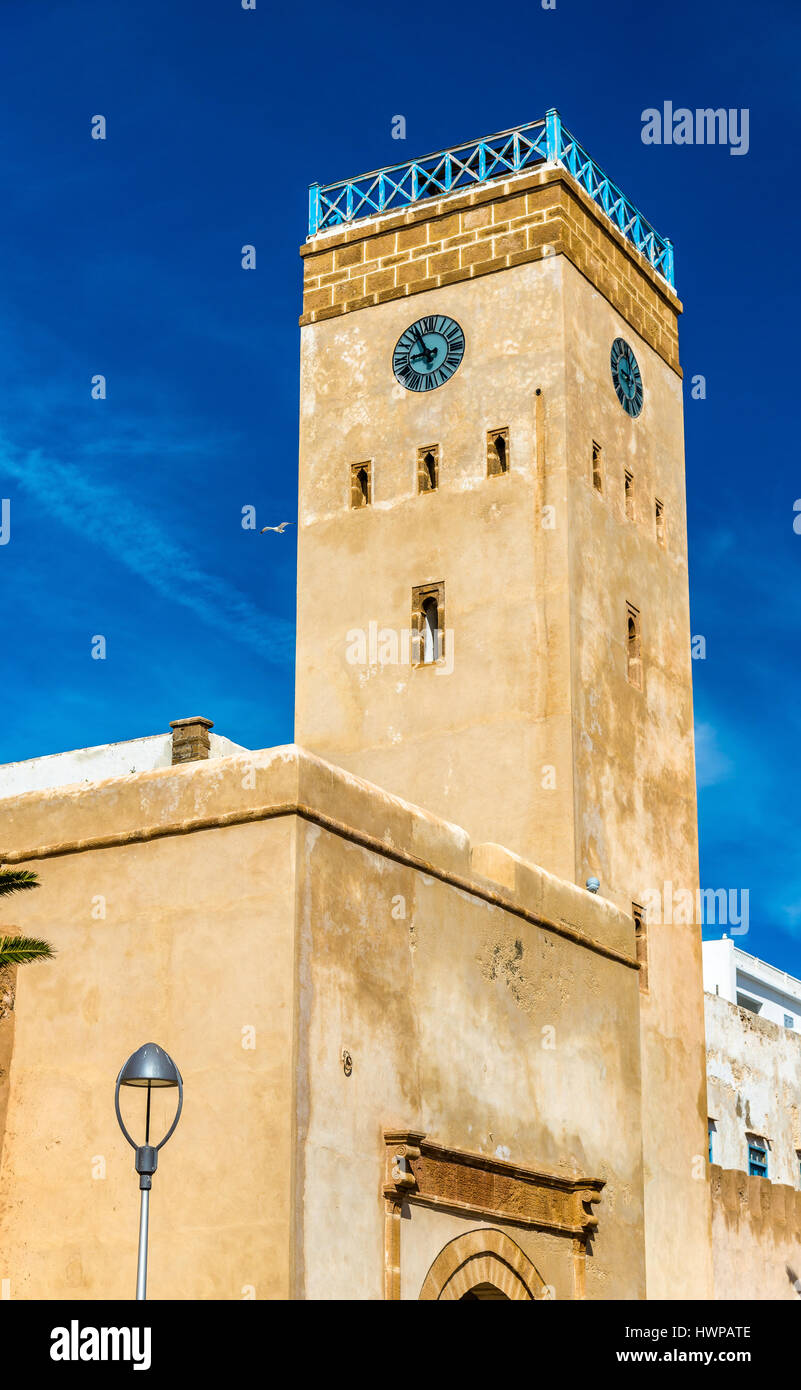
[633,652]
[361,485]
[659,518]
[430,630]
[428,468]
[497,452]
[428,623]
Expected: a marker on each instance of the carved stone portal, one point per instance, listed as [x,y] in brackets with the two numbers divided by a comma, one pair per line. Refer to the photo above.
[432,1175]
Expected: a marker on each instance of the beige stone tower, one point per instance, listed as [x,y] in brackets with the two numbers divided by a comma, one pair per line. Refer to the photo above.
[493,615]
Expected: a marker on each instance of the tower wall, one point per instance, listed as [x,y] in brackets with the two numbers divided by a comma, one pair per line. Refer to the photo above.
[536,739]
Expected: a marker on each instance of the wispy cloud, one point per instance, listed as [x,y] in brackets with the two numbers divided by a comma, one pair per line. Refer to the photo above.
[105,515]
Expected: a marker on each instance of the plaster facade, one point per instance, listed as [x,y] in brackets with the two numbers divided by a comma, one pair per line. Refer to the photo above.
[753,1088]
[528,732]
[756,1237]
[275,893]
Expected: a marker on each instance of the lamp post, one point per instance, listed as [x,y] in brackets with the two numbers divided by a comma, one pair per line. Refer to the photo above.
[149,1066]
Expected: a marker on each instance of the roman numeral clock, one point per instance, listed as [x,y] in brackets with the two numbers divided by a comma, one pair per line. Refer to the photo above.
[428,353]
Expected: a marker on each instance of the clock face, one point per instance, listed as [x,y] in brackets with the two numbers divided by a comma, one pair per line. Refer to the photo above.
[428,353]
[626,377]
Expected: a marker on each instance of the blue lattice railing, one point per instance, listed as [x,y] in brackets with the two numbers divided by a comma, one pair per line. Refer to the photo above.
[484,161]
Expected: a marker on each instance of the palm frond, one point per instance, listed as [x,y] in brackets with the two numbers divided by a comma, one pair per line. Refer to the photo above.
[15,880]
[20,950]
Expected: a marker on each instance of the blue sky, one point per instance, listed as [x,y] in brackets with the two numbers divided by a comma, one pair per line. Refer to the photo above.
[122,257]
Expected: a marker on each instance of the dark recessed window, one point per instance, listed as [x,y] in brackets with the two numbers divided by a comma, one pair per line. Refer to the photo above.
[428,624]
[361,485]
[659,520]
[641,943]
[428,468]
[633,652]
[597,468]
[497,452]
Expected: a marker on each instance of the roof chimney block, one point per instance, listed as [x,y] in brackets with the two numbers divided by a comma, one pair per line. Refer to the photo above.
[190,738]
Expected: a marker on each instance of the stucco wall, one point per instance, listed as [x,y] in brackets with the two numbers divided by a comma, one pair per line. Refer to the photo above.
[195,946]
[485,1031]
[753,1086]
[756,1237]
[633,755]
[469,743]
[498,1012]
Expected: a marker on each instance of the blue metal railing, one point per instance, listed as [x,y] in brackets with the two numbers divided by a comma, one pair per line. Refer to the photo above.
[484,161]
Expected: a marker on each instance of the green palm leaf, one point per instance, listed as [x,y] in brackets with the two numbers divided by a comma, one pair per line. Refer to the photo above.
[15,880]
[19,950]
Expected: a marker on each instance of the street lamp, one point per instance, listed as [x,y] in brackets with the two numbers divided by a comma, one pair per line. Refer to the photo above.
[149,1066]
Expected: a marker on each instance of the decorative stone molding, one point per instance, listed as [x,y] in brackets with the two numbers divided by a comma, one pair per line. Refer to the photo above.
[433,1175]
[482,1257]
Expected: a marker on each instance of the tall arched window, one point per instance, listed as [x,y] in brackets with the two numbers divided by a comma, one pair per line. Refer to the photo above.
[360,485]
[430,630]
[497,452]
[428,624]
[428,468]
[633,656]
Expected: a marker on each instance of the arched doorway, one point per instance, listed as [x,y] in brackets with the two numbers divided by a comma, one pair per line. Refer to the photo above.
[482,1265]
[484,1293]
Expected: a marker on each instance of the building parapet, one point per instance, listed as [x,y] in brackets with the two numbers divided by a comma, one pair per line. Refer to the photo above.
[479,162]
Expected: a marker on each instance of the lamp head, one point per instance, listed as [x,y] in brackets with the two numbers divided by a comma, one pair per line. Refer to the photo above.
[150,1065]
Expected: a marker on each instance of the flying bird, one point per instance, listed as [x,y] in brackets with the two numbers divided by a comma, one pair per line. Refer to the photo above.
[280,528]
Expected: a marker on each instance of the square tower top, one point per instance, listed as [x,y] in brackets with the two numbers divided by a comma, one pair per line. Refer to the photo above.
[479,162]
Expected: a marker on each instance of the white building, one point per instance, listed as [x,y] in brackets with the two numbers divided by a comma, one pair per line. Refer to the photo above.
[733,974]
[753,1042]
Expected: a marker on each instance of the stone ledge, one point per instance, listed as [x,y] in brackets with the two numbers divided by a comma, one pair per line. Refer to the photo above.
[246,788]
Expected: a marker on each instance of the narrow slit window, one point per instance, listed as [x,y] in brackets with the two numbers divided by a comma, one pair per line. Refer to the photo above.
[659,519]
[641,943]
[633,651]
[428,624]
[628,484]
[497,452]
[361,485]
[597,468]
[428,468]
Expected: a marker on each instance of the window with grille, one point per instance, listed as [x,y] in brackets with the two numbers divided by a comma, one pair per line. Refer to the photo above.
[757,1157]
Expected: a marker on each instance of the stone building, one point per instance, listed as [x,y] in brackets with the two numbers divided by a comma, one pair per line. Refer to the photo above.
[753,1044]
[430,1063]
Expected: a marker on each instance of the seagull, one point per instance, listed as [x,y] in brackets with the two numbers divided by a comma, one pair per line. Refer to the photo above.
[280,528]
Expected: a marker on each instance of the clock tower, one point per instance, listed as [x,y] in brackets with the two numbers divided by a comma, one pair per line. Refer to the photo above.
[493,616]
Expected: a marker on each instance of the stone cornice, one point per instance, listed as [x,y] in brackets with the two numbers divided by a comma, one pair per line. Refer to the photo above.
[434,1175]
[304,786]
